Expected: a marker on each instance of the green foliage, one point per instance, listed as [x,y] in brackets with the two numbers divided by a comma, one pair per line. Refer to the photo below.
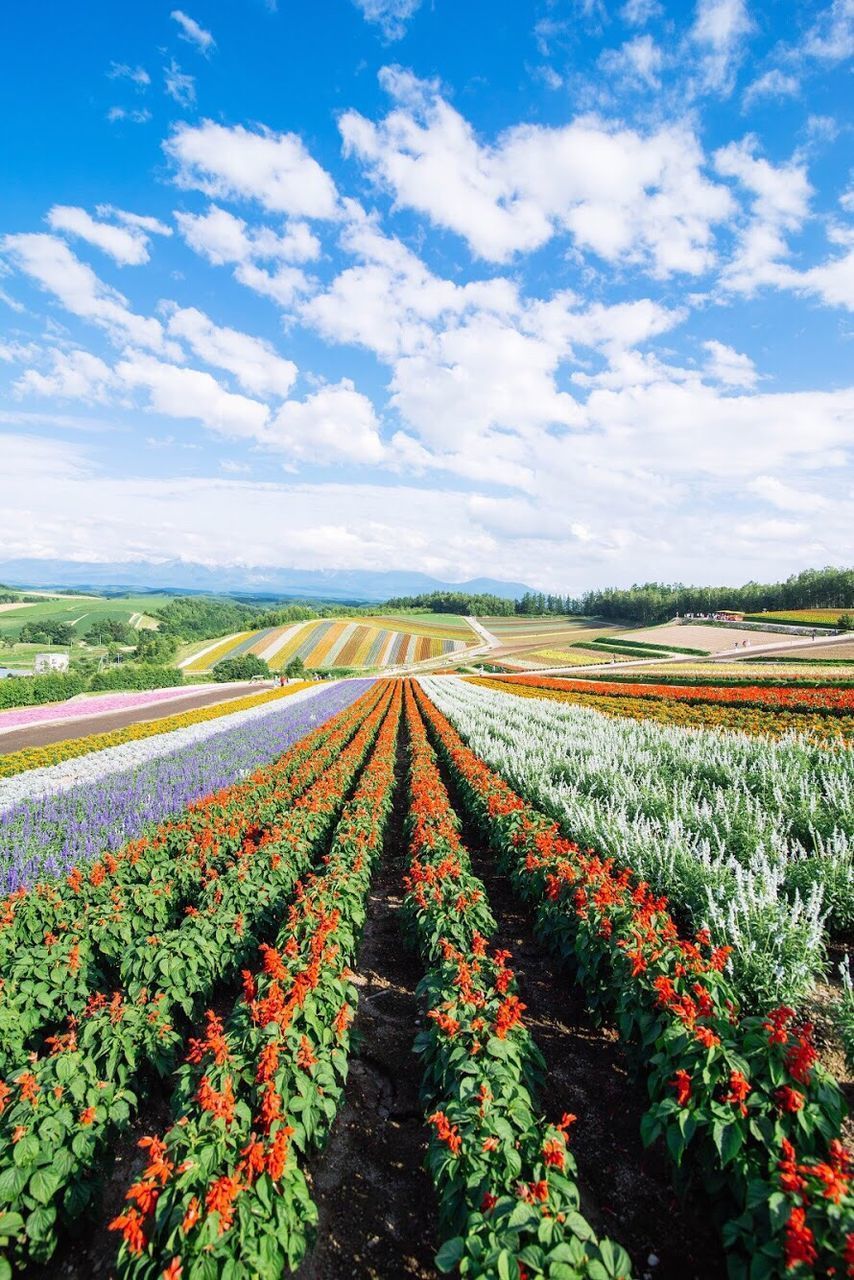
[46,632]
[295,668]
[845,622]
[461,602]
[110,631]
[242,668]
[153,646]
[621,645]
[28,691]
[205,617]
[129,675]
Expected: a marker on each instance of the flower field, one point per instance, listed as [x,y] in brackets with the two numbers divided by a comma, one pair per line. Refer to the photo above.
[181,939]
[331,643]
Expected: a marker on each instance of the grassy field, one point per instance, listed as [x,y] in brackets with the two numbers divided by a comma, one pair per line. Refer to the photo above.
[84,612]
[799,617]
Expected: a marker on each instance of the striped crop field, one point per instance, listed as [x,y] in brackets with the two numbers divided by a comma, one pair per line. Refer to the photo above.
[327,643]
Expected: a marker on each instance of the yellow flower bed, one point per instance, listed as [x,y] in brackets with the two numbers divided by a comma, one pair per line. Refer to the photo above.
[772,724]
[56,752]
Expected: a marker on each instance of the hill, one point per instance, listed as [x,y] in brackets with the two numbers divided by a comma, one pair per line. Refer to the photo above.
[342,585]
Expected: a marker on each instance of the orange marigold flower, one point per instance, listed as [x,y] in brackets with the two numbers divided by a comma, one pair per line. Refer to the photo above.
[277,1154]
[87,1116]
[305,1058]
[446,1132]
[220,1199]
[18,1132]
[799,1240]
[789,1099]
[681,1082]
[174,1271]
[29,1087]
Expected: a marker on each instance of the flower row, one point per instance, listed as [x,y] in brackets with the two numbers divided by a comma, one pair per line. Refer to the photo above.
[15,762]
[48,1144]
[742,1102]
[752,720]
[58,944]
[54,819]
[828,699]
[506,1181]
[224,1186]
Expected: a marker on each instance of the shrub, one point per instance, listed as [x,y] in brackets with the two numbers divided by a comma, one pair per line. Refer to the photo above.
[242,668]
[27,691]
[131,675]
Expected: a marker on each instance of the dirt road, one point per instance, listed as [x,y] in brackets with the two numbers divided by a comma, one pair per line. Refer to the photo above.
[39,735]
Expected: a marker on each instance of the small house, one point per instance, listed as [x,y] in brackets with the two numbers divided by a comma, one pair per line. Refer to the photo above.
[45,662]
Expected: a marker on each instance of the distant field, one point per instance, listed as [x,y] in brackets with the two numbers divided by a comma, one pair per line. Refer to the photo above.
[800,617]
[448,626]
[328,643]
[572,657]
[697,636]
[84,612]
[521,626]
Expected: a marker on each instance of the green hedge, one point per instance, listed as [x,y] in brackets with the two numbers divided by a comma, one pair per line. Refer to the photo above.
[28,691]
[617,642]
[136,676]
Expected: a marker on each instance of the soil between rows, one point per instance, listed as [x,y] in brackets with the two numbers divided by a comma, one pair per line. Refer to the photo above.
[376,1202]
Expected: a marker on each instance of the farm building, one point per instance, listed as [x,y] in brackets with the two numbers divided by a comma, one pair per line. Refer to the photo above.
[50,662]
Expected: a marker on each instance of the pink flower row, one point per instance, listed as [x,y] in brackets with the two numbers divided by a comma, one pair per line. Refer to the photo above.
[79,708]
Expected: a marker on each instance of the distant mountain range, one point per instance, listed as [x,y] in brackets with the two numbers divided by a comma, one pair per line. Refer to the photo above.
[344,585]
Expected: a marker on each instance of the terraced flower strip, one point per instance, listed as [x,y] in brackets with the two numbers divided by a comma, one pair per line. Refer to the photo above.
[46,1167]
[826,699]
[509,1201]
[224,1187]
[60,944]
[55,752]
[96,705]
[752,720]
[741,1102]
[50,823]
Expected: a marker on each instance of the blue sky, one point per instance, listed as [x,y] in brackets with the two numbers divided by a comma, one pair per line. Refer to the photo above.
[558,291]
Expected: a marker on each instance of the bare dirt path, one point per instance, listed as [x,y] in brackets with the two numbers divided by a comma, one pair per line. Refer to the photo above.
[40,735]
[376,1202]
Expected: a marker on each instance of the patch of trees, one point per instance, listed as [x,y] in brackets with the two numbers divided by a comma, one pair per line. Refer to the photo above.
[463,602]
[46,632]
[242,668]
[205,617]
[111,631]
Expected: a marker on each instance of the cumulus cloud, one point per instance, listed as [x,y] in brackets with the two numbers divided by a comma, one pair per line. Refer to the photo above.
[335,424]
[619,194]
[49,261]
[179,392]
[193,33]
[637,63]
[731,367]
[772,84]
[73,375]
[390,15]
[274,169]
[127,244]
[720,28]
[254,363]
[221,237]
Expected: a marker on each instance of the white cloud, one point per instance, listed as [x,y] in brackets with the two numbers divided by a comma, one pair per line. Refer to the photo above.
[637,62]
[139,221]
[783,496]
[179,85]
[780,205]
[127,245]
[137,75]
[831,38]
[720,28]
[832,281]
[49,261]
[622,195]
[390,15]
[254,363]
[74,375]
[135,117]
[729,366]
[193,33]
[191,393]
[221,237]
[336,424]
[637,13]
[274,169]
[773,84]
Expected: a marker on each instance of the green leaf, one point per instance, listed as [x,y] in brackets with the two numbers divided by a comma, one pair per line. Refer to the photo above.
[43,1185]
[450,1254]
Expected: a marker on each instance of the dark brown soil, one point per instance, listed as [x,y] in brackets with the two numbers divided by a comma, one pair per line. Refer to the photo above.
[626,1191]
[377,1204]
